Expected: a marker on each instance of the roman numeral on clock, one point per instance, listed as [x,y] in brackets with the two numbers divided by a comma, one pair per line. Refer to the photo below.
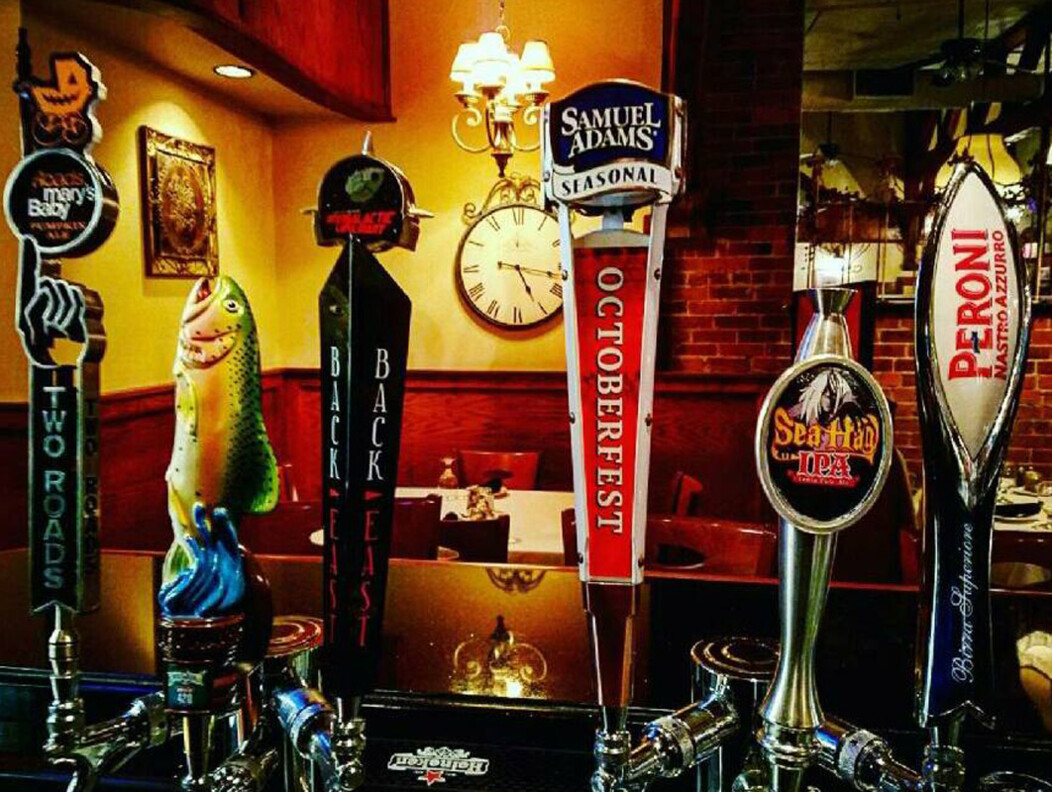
[468,268]
[557,290]
[518,215]
[516,314]
[476,291]
[493,222]
[493,309]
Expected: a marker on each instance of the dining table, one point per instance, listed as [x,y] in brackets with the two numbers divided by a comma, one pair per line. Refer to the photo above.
[535,519]
[1039,522]
[1022,549]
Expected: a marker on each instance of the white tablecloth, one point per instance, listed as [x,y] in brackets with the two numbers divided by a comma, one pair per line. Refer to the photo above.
[1039,523]
[535,526]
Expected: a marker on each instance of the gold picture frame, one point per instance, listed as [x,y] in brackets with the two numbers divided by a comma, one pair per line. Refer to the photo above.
[178,181]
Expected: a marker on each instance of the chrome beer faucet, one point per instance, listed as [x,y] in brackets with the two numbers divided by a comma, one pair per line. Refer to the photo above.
[823,449]
[97,749]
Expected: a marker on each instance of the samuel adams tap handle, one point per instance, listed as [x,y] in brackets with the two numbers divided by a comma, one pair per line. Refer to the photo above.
[611,148]
[972,332]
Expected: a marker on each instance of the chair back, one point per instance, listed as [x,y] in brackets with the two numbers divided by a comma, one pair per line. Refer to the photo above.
[569,526]
[712,546]
[287,490]
[415,532]
[686,491]
[285,530]
[517,468]
[883,546]
[477,540]
[1020,558]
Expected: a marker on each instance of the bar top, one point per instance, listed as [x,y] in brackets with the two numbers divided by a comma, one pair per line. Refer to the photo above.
[440,618]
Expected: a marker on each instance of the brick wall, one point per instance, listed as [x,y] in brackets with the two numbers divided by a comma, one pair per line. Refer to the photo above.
[729,258]
[893,365]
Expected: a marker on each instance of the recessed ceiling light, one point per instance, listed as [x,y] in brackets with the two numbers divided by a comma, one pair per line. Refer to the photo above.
[234,71]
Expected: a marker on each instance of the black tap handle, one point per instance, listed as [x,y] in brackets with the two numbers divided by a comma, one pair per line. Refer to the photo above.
[972,332]
[364,318]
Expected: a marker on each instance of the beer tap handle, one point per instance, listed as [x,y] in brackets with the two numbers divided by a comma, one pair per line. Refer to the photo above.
[823,450]
[972,330]
[612,284]
[862,759]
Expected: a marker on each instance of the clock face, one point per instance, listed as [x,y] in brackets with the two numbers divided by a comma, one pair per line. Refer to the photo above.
[508,266]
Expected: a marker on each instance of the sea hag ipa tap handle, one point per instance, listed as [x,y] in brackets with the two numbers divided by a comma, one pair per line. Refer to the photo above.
[823,450]
[611,148]
[972,333]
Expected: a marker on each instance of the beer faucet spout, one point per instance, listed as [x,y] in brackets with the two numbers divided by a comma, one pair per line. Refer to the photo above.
[333,741]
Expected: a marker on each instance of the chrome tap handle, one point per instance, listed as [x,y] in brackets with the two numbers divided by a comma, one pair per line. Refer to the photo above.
[332,745]
[92,750]
[862,759]
[250,769]
[791,711]
[728,671]
[823,450]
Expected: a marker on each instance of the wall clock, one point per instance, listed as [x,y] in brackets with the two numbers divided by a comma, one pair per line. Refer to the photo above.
[508,263]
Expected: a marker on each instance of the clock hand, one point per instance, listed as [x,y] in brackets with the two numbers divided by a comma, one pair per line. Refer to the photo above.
[531,270]
[529,291]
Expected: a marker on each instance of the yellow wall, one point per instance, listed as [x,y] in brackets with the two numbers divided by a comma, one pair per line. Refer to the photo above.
[266,173]
[589,40]
[142,314]
[12,368]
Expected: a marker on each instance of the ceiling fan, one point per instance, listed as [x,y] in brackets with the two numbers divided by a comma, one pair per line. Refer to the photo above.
[964,57]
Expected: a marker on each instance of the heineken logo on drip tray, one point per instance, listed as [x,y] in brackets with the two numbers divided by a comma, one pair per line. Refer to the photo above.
[433,765]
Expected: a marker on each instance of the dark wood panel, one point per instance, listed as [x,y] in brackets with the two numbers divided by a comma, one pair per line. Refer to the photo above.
[346,66]
[703,425]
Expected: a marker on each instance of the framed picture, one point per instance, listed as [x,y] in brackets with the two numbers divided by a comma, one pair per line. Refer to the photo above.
[179,206]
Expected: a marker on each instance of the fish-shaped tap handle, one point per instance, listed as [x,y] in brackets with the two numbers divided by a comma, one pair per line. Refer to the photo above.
[222,465]
[972,333]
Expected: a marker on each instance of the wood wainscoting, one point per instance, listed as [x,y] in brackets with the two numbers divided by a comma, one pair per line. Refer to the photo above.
[703,425]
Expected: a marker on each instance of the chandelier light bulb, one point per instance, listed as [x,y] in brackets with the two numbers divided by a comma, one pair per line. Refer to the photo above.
[464,62]
[537,62]
[498,88]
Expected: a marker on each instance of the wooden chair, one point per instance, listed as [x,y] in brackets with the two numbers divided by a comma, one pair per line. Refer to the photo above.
[479,467]
[685,493]
[884,546]
[569,526]
[1019,555]
[287,483]
[415,532]
[285,530]
[715,547]
[477,540]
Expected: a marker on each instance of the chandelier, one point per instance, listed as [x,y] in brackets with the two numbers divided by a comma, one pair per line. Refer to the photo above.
[495,84]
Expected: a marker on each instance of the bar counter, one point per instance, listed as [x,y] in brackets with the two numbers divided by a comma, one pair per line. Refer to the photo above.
[535,712]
